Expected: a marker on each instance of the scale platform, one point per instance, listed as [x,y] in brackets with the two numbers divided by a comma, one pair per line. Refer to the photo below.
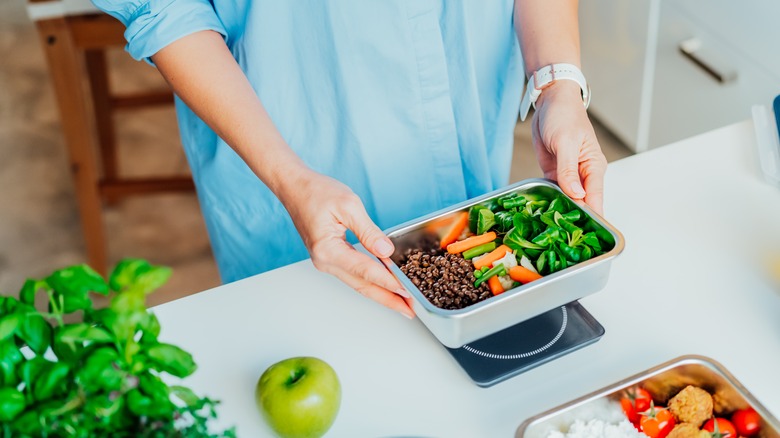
[527,345]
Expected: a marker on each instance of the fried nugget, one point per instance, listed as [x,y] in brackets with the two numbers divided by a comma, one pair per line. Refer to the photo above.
[691,405]
[687,430]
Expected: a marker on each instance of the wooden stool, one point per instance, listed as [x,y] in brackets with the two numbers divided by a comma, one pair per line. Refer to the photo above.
[75,37]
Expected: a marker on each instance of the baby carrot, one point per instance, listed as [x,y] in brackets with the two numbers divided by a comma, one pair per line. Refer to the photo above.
[523,275]
[495,285]
[453,232]
[470,242]
[489,258]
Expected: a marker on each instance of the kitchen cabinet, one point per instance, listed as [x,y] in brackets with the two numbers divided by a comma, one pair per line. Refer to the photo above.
[663,70]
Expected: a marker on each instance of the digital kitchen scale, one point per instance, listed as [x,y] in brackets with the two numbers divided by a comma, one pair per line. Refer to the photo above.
[527,345]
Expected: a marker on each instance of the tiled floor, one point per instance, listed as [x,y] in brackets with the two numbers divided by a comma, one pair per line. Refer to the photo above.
[39,224]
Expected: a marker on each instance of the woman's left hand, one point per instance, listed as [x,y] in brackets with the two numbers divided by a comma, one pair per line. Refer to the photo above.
[566,146]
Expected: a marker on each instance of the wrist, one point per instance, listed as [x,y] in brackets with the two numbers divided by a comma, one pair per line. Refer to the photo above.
[548,76]
[560,90]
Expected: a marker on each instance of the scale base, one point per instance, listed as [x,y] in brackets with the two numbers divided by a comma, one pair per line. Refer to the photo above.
[527,345]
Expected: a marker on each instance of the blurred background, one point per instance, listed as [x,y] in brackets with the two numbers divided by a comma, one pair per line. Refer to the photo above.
[68,92]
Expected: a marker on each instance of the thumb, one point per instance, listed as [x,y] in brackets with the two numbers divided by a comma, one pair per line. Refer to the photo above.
[372,238]
[567,160]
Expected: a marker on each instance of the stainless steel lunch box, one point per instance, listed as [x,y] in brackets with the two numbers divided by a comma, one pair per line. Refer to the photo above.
[666,379]
[455,328]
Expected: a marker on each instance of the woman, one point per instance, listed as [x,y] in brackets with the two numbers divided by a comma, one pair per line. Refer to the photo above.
[329,116]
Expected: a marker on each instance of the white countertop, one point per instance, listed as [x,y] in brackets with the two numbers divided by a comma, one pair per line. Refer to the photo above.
[697,220]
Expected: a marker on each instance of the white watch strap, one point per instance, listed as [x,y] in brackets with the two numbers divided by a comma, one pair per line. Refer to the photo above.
[544,77]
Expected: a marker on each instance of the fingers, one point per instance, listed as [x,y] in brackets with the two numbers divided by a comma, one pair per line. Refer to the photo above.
[340,257]
[380,295]
[373,239]
[593,171]
[363,274]
[567,153]
[367,277]
[573,158]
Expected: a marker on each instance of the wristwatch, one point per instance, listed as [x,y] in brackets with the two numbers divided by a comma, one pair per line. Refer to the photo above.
[544,77]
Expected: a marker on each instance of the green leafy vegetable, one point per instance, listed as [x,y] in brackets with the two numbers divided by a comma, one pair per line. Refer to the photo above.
[551,231]
[102,375]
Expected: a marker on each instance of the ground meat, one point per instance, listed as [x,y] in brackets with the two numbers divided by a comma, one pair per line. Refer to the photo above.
[446,280]
[687,430]
[691,405]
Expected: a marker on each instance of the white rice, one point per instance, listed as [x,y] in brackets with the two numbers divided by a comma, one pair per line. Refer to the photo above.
[596,428]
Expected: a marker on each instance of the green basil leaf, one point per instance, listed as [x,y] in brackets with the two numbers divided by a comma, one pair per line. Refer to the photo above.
[27,294]
[11,404]
[102,407]
[77,281]
[138,275]
[82,332]
[101,371]
[172,359]
[131,300]
[151,327]
[9,353]
[30,370]
[123,325]
[28,423]
[125,273]
[74,303]
[138,403]
[186,395]
[35,331]
[151,280]
[7,305]
[51,381]
[8,325]
[154,388]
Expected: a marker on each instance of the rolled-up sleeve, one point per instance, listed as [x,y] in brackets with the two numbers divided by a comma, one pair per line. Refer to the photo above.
[153,24]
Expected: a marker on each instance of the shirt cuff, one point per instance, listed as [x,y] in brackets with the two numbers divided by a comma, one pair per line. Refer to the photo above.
[156,24]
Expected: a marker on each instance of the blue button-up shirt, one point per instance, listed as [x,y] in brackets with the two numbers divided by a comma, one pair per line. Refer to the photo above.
[411,103]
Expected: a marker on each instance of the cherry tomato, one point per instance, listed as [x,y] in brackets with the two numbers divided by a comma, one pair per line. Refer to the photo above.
[656,422]
[747,422]
[636,400]
[720,428]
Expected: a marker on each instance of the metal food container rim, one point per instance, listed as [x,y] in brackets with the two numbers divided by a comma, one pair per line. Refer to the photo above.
[691,359]
[495,300]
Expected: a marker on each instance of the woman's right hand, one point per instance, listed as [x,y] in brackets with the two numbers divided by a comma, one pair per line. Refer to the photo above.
[323,209]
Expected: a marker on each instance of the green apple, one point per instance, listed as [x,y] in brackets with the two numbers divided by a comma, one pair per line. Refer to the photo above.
[299,397]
